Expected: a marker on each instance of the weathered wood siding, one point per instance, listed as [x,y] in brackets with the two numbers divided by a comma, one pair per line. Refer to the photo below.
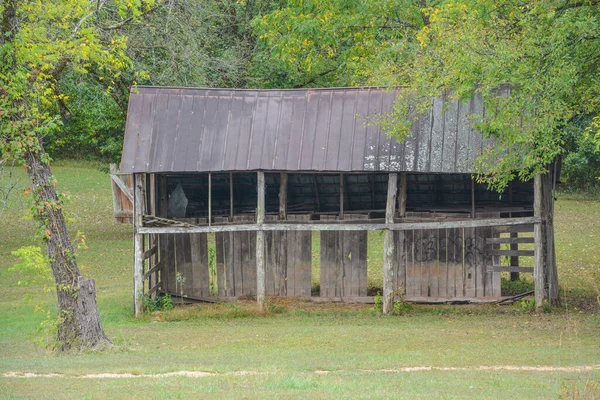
[445,263]
[343,261]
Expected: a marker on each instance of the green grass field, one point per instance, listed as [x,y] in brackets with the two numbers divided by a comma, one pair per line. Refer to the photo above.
[296,349]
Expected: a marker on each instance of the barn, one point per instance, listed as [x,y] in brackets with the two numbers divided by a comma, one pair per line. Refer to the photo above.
[259,193]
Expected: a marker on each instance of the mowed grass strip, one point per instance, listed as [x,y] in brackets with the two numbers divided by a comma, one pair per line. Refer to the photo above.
[294,339]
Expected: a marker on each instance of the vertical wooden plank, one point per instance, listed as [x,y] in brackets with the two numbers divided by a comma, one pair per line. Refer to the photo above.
[434,269]
[538,250]
[330,261]
[423,266]
[260,237]
[441,268]
[449,265]
[138,262]
[412,280]
[220,260]
[388,245]
[283,249]
[229,257]
[237,265]
[299,259]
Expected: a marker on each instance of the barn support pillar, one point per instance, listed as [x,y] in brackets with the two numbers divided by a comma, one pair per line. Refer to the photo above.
[260,240]
[388,245]
[138,242]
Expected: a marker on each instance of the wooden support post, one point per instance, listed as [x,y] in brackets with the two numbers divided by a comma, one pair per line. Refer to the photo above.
[283,184]
[552,273]
[260,241]
[115,189]
[388,246]
[138,243]
[341,196]
[209,199]
[231,197]
[403,186]
[538,251]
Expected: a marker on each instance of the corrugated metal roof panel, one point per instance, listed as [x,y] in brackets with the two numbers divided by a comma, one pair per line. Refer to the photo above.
[190,130]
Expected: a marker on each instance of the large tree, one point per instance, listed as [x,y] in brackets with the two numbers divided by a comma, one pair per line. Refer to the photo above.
[547,51]
[40,41]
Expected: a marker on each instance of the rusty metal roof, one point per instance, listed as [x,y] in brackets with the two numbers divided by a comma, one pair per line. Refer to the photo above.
[190,130]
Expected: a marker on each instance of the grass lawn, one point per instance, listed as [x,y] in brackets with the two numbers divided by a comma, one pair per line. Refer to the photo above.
[296,349]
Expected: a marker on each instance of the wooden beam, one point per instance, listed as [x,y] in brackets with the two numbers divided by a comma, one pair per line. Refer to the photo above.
[260,240]
[150,252]
[388,246]
[502,268]
[138,243]
[156,267]
[403,186]
[126,191]
[510,240]
[538,265]
[329,226]
[283,185]
[155,288]
[516,253]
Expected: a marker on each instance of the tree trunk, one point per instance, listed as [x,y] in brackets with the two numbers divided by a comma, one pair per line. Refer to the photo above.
[79,322]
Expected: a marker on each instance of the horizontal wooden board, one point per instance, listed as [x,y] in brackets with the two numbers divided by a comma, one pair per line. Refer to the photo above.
[510,240]
[503,268]
[519,253]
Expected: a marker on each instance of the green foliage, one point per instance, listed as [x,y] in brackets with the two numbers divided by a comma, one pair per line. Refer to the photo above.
[401,307]
[212,270]
[33,266]
[581,165]
[542,48]
[512,288]
[378,306]
[526,306]
[333,43]
[162,302]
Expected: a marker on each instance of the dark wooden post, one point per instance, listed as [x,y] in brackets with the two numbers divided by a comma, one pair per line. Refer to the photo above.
[553,295]
[283,184]
[138,245]
[260,240]
[402,205]
[388,246]
[282,259]
[538,251]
